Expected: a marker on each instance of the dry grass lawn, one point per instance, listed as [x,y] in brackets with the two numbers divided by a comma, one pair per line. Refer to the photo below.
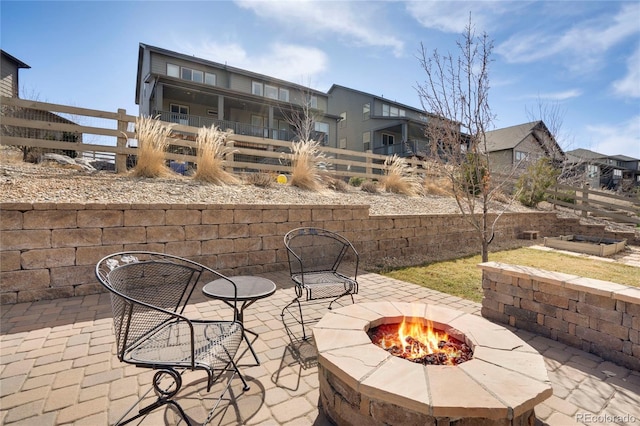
[462,277]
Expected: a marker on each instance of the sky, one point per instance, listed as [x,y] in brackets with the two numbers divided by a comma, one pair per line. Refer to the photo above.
[574,63]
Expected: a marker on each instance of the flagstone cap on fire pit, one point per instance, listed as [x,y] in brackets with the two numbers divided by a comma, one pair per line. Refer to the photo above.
[505,378]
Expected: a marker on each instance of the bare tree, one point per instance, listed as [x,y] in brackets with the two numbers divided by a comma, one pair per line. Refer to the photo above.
[571,170]
[457,90]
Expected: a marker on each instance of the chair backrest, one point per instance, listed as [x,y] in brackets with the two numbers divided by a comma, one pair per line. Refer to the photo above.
[318,250]
[147,289]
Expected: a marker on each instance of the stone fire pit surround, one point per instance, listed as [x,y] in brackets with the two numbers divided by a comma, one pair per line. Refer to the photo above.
[361,382]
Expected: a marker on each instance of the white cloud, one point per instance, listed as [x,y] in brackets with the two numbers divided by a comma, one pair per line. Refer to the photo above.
[582,44]
[289,62]
[453,16]
[629,85]
[614,139]
[347,19]
[558,96]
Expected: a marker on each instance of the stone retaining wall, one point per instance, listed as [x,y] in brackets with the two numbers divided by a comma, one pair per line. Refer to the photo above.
[600,317]
[49,250]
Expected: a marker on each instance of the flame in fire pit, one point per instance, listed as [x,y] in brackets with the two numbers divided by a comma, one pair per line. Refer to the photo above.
[420,343]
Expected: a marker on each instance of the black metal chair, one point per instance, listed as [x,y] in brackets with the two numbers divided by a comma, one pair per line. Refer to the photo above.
[149,293]
[323,265]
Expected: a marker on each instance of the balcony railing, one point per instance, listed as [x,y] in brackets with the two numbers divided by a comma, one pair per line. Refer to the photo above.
[404,149]
[237,127]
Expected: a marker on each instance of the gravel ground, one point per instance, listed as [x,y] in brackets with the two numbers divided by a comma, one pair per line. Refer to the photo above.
[49,182]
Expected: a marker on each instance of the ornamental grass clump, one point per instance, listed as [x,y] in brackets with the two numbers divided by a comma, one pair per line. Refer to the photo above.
[399,178]
[153,139]
[305,173]
[211,149]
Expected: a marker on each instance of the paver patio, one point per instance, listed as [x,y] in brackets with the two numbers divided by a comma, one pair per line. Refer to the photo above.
[59,367]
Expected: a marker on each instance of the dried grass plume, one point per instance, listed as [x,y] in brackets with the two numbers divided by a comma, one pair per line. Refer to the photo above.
[211,150]
[305,157]
[153,139]
[399,178]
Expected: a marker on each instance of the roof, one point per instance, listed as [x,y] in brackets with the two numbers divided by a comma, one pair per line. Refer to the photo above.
[509,137]
[17,61]
[586,154]
[213,64]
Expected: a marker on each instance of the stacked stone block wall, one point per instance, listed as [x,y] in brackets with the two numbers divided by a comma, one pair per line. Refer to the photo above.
[50,250]
[596,316]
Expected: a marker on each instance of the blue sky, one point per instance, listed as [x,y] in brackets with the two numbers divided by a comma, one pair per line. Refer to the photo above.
[581,58]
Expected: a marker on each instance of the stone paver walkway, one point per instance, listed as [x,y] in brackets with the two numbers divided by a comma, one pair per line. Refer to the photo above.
[58,367]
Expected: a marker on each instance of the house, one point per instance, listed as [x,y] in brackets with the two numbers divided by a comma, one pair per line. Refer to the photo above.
[520,145]
[9,67]
[197,92]
[374,123]
[9,86]
[605,171]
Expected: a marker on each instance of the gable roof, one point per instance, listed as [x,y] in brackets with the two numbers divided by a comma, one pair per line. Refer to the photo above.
[509,137]
[15,60]
[585,154]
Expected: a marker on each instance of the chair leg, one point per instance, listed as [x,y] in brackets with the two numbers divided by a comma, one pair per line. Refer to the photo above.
[299,319]
[164,396]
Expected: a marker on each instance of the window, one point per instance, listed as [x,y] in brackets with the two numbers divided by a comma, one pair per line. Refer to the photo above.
[198,76]
[521,156]
[387,139]
[366,111]
[256,88]
[392,111]
[173,70]
[313,101]
[179,114]
[283,95]
[186,73]
[592,170]
[209,79]
[617,173]
[343,120]
[270,92]
[366,138]
[323,128]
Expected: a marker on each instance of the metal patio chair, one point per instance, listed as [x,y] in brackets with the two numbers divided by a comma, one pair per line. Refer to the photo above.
[323,266]
[149,293]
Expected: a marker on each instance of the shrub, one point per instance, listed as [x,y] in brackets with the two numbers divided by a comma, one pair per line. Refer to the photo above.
[305,173]
[262,180]
[337,185]
[369,186]
[533,184]
[211,150]
[437,186]
[475,175]
[355,181]
[399,179]
[153,140]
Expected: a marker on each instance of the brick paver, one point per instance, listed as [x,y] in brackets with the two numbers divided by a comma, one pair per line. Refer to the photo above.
[59,367]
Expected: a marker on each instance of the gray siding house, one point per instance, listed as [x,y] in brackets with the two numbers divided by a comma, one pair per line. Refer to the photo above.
[197,92]
[605,171]
[373,123]
[520,145]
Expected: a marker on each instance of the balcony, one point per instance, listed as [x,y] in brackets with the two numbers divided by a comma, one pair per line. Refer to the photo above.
[237,127]
[404,149]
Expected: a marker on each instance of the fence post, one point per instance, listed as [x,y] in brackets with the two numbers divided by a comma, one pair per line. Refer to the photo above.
[585,201]
[368,163]
[121,159]
[229,156]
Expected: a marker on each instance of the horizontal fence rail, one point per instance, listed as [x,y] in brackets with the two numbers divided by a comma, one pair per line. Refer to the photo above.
[110,137]
[595,203]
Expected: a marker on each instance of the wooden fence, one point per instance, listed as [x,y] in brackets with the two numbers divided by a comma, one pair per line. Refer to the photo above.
[114,140]
[596,203]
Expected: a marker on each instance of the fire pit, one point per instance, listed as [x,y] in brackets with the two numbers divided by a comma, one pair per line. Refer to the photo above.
[420,342]
[362,383]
